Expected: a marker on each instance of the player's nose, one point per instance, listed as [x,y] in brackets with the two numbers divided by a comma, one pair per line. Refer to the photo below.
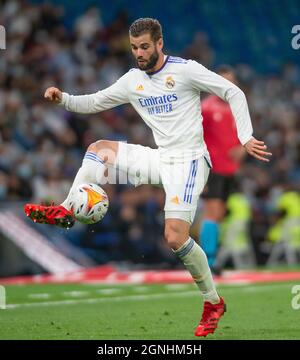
[140,53]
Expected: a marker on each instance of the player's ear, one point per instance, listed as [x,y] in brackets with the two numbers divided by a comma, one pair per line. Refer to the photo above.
[160,43]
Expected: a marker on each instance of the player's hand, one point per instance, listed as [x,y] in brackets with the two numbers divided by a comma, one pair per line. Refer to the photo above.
[257,149]
[53,94]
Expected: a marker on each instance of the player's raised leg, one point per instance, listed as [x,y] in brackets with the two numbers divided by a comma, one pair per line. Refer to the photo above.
[98,156]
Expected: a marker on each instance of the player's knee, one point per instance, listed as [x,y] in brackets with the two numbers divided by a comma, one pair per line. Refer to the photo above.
[100,145]
[173,237]
[105,149]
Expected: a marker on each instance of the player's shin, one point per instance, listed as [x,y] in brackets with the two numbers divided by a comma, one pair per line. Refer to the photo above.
[195,261]
[91,171]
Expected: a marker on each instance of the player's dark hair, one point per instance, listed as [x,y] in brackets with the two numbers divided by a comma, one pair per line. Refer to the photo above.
[146,25]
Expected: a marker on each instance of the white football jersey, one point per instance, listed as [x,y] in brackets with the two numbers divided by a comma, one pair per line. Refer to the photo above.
[168,100]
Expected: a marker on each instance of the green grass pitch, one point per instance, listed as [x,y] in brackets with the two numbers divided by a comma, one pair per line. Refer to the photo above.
[156,312]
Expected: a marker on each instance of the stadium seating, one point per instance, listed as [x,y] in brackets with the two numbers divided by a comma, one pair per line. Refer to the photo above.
[241,31]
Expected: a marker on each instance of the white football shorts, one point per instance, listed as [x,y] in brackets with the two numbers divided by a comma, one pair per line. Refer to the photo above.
[183,180]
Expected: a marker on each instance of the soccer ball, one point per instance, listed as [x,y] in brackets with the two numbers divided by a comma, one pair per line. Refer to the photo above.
[89,203]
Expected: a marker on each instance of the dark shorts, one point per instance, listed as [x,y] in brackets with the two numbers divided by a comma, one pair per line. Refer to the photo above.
[220,186]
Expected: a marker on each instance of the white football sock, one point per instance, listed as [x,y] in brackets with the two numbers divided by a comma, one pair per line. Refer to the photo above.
[195,260]
[91,171]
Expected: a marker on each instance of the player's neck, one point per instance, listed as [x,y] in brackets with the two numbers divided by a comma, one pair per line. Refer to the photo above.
[160,63]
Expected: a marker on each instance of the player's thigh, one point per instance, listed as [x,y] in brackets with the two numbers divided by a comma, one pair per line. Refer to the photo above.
[176,232]
[137,164]
[183,184]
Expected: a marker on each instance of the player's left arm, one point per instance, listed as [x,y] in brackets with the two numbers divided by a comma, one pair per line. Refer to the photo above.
[203,79]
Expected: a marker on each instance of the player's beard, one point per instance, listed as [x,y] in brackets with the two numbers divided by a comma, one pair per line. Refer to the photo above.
[150,64]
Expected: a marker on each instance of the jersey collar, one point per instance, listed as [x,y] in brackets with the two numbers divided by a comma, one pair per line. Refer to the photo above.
[163,65]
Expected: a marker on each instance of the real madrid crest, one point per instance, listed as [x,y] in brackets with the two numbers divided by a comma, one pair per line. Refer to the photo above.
[170,83]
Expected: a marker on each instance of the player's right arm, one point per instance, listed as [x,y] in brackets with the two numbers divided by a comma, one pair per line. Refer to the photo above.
[53,94]
[108,98]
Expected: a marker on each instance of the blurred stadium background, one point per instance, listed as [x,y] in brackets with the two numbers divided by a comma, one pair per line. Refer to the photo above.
[82,46]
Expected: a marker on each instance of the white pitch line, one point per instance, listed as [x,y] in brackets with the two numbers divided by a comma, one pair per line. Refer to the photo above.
[39,296]
[108,291]
[75,293]
[142,289]
[98,300]
[258,288]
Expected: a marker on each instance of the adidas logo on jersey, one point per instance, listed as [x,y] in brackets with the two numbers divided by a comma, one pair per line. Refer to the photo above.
[175,200]
[139,87]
